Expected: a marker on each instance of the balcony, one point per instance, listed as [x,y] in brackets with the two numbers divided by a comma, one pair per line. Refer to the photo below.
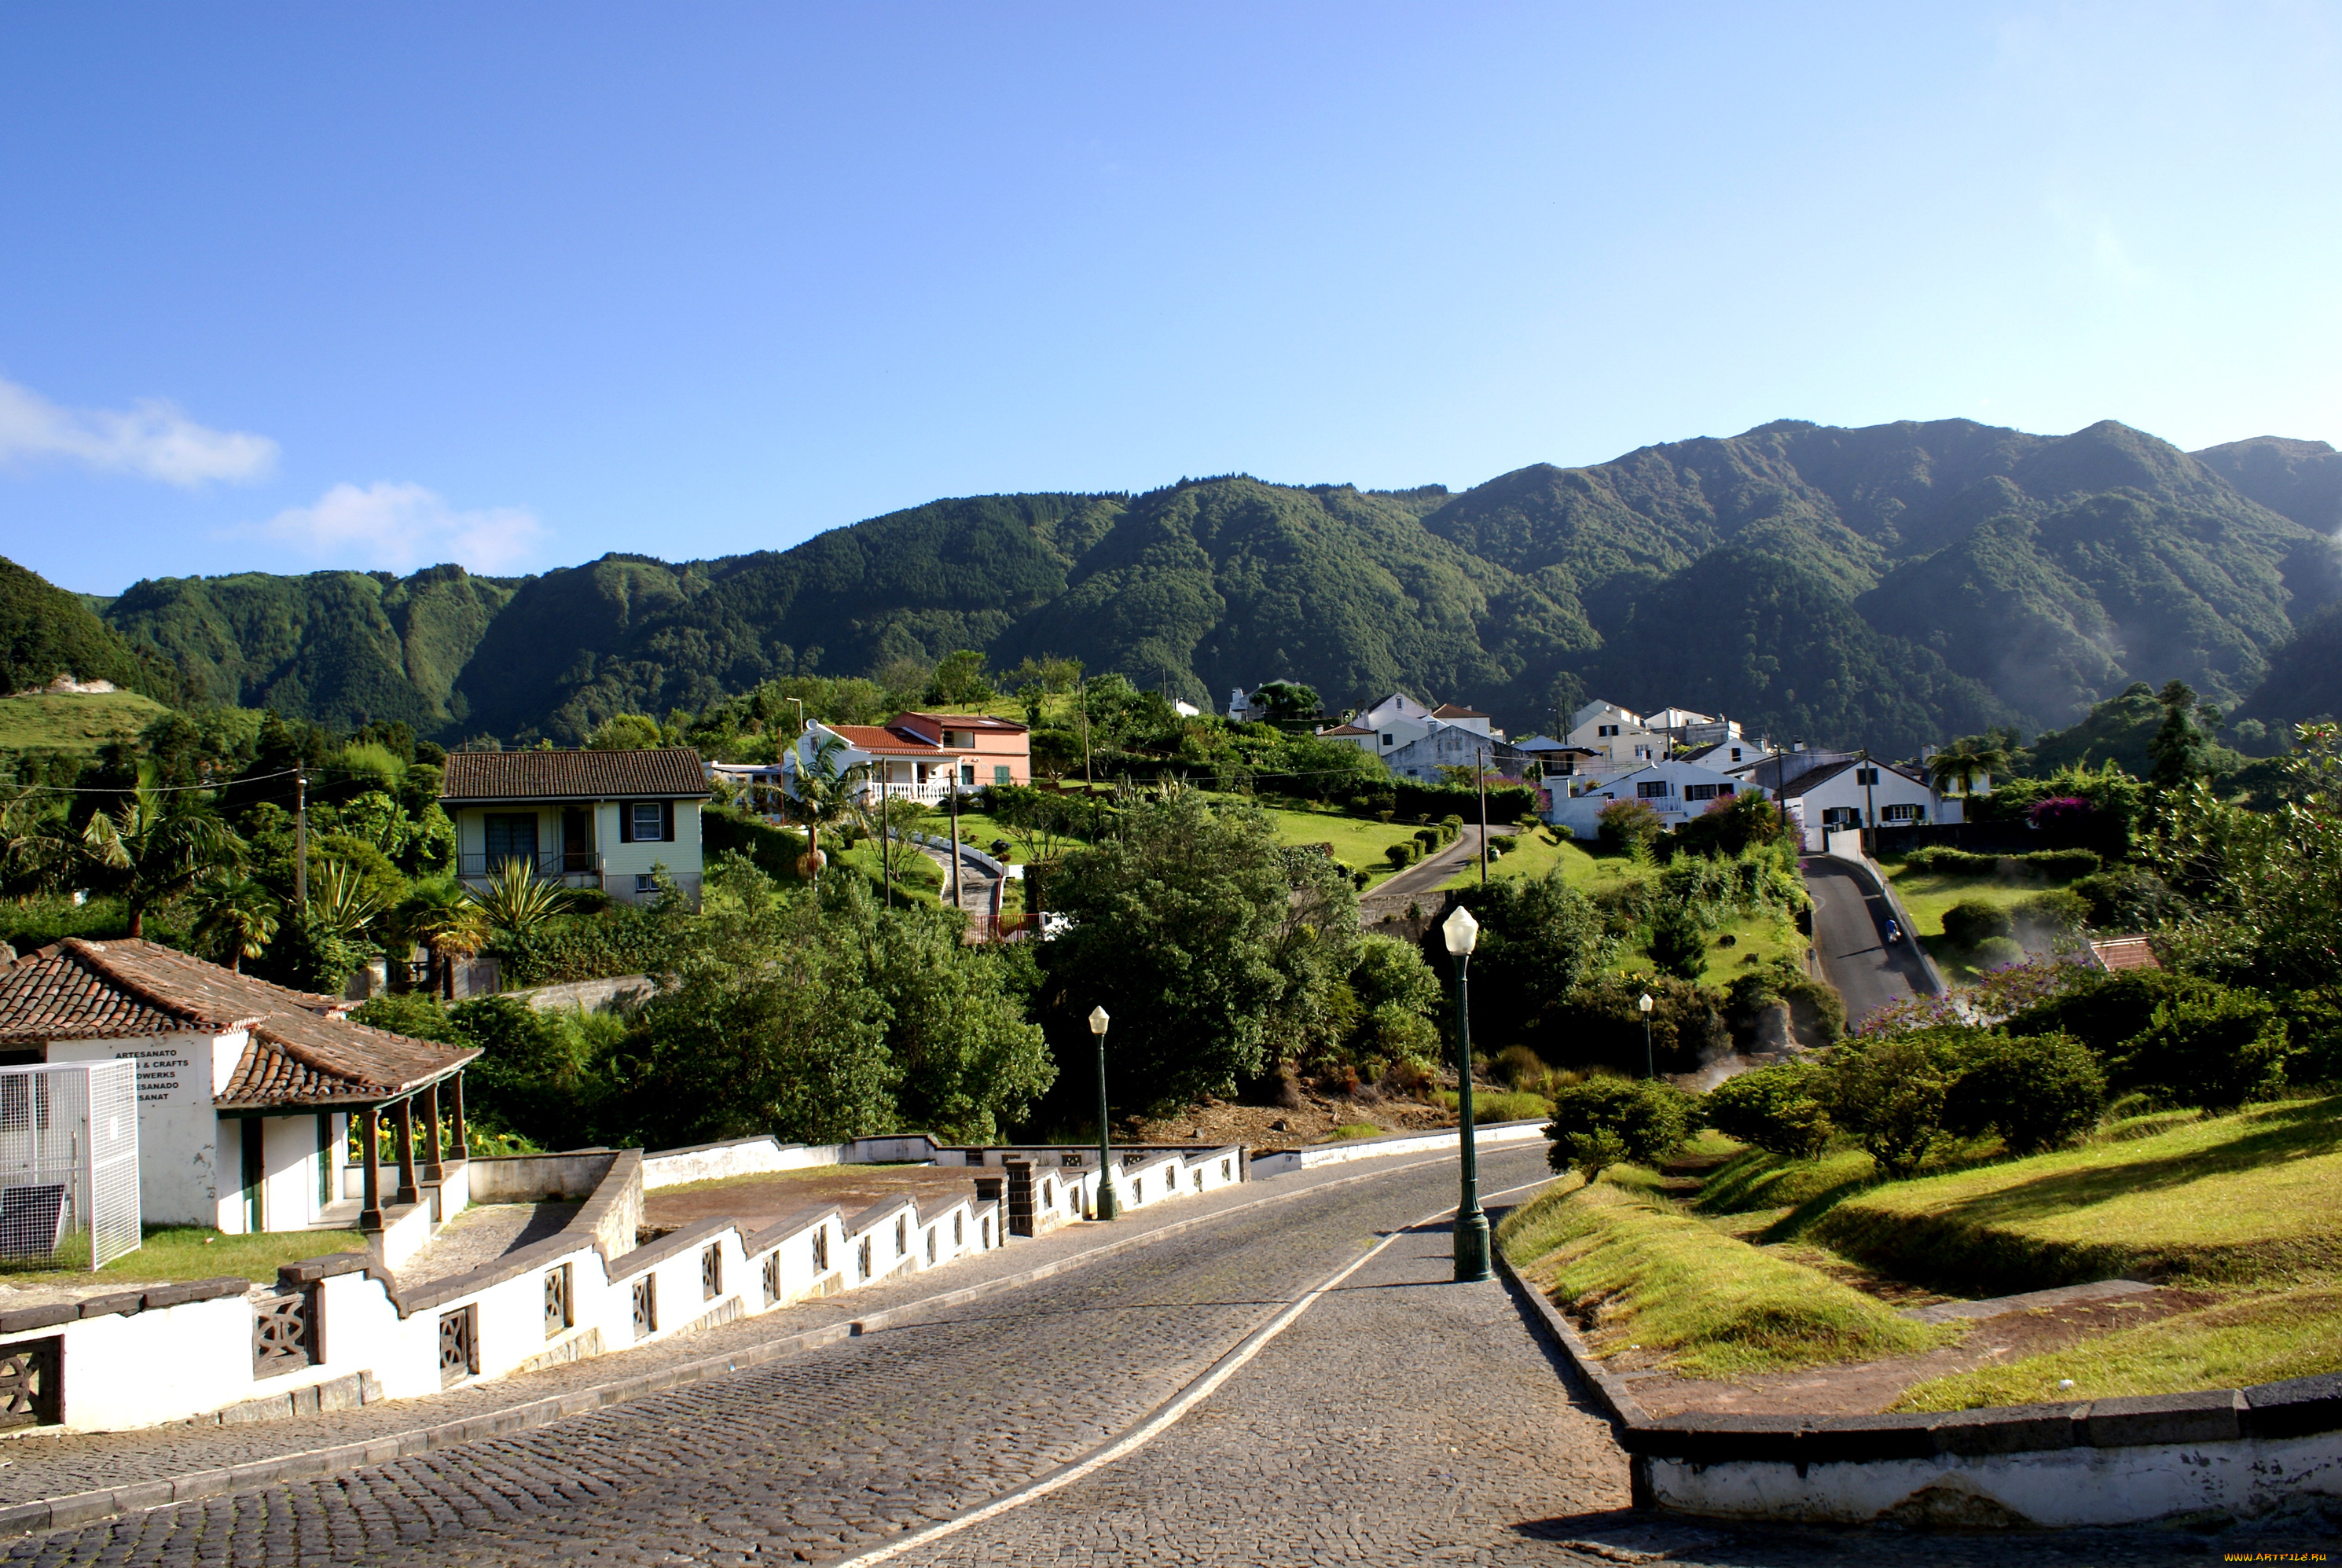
[569,867]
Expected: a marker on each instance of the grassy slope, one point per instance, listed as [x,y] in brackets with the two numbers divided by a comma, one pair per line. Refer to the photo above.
[73,723]
[1717,1307]
[2255,1197]
[1358,842]
[2233,1344]
[1927,894]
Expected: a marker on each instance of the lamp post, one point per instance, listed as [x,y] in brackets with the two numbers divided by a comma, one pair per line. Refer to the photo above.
[1644,1006]
[1461,932]
[1108,1207]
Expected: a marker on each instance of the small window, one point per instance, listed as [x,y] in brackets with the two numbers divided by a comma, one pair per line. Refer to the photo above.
[1865,776]
[646,821]
[1386,739]
[862,1258]
[1000,773]
[931,1248]
[1652,790]
[958,1236]
[821,1250]
[1699,792]
[645,885]
[1898,813]
[1736,753]
[901,1234]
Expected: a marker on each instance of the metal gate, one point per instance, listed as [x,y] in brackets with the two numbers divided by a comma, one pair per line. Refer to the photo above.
[69,1163]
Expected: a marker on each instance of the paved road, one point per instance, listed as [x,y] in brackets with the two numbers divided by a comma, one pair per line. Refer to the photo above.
[975,882]
[1400,1420]
[1420,882]
[1850,933]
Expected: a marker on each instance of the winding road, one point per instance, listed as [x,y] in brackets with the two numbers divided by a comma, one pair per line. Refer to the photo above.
[1850,935]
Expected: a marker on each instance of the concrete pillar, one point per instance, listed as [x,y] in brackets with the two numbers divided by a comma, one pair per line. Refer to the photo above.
[370,1135]
[431,1168]
[407,1192]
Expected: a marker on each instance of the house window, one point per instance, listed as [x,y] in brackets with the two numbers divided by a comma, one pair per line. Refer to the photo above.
[1736,753]
[1865,776]
[1601,730]
[967,772]
[1386,739]
[1898,813]
[1699,792]
[646,821]
[1651,790]
[999,773]
[512,835]
[645,885]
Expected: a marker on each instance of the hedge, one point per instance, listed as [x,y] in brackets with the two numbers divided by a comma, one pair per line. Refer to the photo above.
[2056,865]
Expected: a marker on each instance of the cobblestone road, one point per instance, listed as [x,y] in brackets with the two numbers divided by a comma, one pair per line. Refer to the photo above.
[1401,1420]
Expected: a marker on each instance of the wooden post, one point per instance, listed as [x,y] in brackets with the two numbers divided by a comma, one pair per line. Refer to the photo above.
[462,1140]
[432,1169]
[370,1216]
[407,1192]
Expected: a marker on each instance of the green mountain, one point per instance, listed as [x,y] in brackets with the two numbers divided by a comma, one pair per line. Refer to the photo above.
[46,632]
[1892,584]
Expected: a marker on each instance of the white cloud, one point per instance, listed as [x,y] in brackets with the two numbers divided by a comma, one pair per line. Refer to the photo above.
[153,439]
[398,527]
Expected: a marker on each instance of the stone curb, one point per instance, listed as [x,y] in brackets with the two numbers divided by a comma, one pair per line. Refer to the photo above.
[89,1507]
[2294,1408]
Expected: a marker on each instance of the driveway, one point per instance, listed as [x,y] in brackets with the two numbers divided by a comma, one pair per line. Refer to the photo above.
[1420,882]
[1850,935]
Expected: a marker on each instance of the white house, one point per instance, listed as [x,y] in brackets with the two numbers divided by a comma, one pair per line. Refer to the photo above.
[912,756]
[1677,791]
[1734,755]
[246,1089]
[1618,736]
[1455,745]
[611,820]
[1392,727]
[1836,791]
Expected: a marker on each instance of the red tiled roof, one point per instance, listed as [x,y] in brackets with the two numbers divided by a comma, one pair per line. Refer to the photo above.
[875,738]
[1346,729]
[960,721]
[2124,953]
[301,1050]
[672,773]
[82,990]
[1450,711]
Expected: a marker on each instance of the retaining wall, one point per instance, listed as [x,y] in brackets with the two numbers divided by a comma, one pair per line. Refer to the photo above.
[1278,1162]
[2241,1452]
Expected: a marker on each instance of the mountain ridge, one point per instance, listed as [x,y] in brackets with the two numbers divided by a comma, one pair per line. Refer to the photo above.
[1892,583]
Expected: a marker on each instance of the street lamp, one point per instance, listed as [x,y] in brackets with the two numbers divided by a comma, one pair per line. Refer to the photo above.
[1107,1208]
[1461,932]
[1644,1006]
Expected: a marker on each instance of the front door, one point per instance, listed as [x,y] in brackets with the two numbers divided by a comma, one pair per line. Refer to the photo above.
[511,835]
[576,843]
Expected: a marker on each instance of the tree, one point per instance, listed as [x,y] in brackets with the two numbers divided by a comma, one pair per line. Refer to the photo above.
[820,791]
[236,918]
[1959,764]
[1630,824]
[890,821]
[446,923]
[1539,938]
[1202,938]
[2181,747]
[1891,1092]
[1783,1109]
[1289,701]
[960,679]
[625,733]
[154,846]
[1604,1120]
[1678,943]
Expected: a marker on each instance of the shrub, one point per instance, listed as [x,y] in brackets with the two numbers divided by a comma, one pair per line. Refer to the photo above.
[2213,1047]
[2056,864]
[1891,1092]
[1521,1067]
[1783,1109]
[1645,1117]
[2035,1090]
[1678,945]
[2127,899]
[1400,856]
[1972,920]
[2063,864]
[2060,912]
[1629,823]
[1995,952]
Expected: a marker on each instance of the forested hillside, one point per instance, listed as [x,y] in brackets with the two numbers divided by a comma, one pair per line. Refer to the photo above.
[1894,585]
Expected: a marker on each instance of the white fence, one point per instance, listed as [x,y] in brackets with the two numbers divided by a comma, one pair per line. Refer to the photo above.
[69,1161]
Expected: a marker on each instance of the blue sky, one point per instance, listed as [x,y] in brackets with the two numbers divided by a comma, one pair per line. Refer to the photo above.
[284,288]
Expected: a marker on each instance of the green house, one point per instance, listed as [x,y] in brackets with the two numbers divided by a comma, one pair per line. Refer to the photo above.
[615,821]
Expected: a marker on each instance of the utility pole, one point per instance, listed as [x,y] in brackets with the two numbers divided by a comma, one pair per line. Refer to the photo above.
[301,838]
[957,901]
[1484,816]
[1869,838]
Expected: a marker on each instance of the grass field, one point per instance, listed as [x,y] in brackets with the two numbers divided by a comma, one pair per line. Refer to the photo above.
[2258,1339]
[74,723]
[1926,895]
[189,1252]
[2251,1198]
[1663,1281]
[1358,841]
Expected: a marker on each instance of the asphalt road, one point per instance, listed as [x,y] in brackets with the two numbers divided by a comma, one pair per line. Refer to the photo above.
[1850,935]
[1420,882]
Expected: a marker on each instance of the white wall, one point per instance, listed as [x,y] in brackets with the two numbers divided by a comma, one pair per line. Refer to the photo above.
[179,1176]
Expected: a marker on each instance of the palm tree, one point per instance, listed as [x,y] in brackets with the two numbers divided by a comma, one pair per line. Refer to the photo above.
[1961,762]
[235,917]
[343,902]
[516,900]
[155,846]
[820,792]
[448,923]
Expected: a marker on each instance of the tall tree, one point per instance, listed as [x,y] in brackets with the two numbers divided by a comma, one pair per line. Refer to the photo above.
[154,846]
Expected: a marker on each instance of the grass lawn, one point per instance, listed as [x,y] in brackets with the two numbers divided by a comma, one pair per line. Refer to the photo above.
[2253,1198]
[1926,895]
[190,1253]
[1358,841]
[74,723]
[2258,1339]
[1753,1182]
[1709,1305]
